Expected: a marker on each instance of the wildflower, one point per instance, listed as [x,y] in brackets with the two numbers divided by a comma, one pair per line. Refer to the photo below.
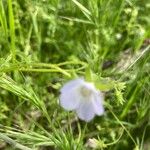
[82,97]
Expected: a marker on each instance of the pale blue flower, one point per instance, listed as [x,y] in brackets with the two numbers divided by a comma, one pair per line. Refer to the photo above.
[82,97]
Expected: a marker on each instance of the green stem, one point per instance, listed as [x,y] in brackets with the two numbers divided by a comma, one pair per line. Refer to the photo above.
[129,104]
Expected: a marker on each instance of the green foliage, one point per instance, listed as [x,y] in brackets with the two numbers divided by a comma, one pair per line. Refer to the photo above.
[3,110]
[45,43]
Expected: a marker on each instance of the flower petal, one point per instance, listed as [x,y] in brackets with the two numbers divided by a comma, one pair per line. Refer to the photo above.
[82,97]
[98,103]
[85,111]
[69,100]
[71,84]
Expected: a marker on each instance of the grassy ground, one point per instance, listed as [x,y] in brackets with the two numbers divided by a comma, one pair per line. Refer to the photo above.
[45,43]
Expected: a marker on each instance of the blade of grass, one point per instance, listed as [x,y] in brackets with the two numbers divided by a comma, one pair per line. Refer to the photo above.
[3,20]
[13,143]
[12,30]
[85,11]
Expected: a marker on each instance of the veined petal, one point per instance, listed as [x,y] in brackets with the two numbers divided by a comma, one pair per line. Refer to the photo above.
[70,99]
[71,84]
[85,111]
[98,103]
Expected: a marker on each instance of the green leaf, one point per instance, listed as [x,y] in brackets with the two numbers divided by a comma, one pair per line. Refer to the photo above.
[104,84]
[88,74]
